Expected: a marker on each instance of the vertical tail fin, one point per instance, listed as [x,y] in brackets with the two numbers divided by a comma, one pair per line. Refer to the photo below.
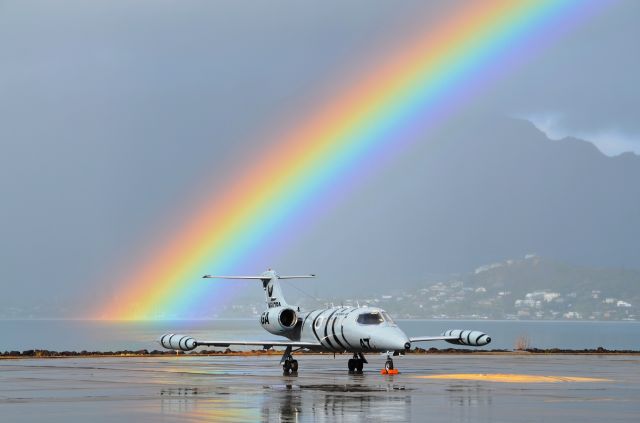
[272,289]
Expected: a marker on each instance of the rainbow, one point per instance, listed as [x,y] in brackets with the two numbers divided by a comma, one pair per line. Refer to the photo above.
[431,77]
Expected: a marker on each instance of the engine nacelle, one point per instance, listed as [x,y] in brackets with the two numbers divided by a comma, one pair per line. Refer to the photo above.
[279,320]
[171,341]
[467,337]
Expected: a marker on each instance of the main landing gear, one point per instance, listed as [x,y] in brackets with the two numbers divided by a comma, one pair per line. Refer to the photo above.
[357,363]
[289,365]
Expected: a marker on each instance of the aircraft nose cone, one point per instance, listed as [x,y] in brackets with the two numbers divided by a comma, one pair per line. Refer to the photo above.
[395,340]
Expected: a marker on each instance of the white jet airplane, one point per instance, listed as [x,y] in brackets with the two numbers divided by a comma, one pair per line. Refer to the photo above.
[356,330]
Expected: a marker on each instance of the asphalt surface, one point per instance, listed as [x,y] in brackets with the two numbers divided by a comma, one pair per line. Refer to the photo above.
[434,388]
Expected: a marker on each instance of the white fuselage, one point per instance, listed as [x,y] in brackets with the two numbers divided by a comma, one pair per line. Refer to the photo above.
[352,329]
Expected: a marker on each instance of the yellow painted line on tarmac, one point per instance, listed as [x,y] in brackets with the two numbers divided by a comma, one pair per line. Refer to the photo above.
[512,378]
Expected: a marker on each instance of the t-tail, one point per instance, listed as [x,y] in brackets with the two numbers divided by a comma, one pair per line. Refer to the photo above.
[270,284]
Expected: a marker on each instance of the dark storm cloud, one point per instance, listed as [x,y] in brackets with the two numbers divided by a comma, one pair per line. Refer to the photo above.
[114,116]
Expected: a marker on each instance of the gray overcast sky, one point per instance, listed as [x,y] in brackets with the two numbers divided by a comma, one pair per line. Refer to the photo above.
[113,113]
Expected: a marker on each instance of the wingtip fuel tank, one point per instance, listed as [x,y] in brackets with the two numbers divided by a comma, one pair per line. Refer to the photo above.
[467,337]
[172,341]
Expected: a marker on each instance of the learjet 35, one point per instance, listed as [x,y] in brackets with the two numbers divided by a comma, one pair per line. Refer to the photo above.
[356,330]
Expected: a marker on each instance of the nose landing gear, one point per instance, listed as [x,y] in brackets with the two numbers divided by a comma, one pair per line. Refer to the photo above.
[356,364]
[388,367]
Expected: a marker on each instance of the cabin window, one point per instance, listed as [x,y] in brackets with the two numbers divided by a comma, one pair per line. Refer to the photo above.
[373,318]
[319,322]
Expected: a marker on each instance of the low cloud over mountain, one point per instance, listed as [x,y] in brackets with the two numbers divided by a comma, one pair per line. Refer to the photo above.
[483,191]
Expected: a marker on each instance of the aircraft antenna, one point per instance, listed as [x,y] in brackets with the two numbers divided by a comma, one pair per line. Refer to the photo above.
[298,289]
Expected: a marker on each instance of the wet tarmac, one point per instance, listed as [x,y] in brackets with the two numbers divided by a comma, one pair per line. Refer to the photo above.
[435,388]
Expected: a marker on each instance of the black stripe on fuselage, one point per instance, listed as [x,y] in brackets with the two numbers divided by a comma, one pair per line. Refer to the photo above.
[313,326]
[326,330]
[333,330]
[342,328]
[305,320]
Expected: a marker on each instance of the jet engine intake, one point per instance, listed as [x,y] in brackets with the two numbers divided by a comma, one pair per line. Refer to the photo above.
[172,341]
[467,337]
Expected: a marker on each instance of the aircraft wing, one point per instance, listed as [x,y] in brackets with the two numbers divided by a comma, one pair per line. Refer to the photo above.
[187,343]
[433,338]
[265,344]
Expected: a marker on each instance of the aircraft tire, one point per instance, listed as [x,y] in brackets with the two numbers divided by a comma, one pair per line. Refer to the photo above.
[294,366]
[359,366]
[388,365]
[352,365]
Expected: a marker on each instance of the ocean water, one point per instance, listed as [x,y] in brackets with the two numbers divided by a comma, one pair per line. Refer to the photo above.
[78,335]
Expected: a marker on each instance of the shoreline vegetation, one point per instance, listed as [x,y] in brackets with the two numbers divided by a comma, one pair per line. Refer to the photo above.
[37,353]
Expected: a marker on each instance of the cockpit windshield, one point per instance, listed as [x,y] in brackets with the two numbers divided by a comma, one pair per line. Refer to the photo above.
[388,318]
[372,318]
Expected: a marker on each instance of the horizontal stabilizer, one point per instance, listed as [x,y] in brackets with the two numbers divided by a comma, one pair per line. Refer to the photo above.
[270,284]
[297,276]
[258,277]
